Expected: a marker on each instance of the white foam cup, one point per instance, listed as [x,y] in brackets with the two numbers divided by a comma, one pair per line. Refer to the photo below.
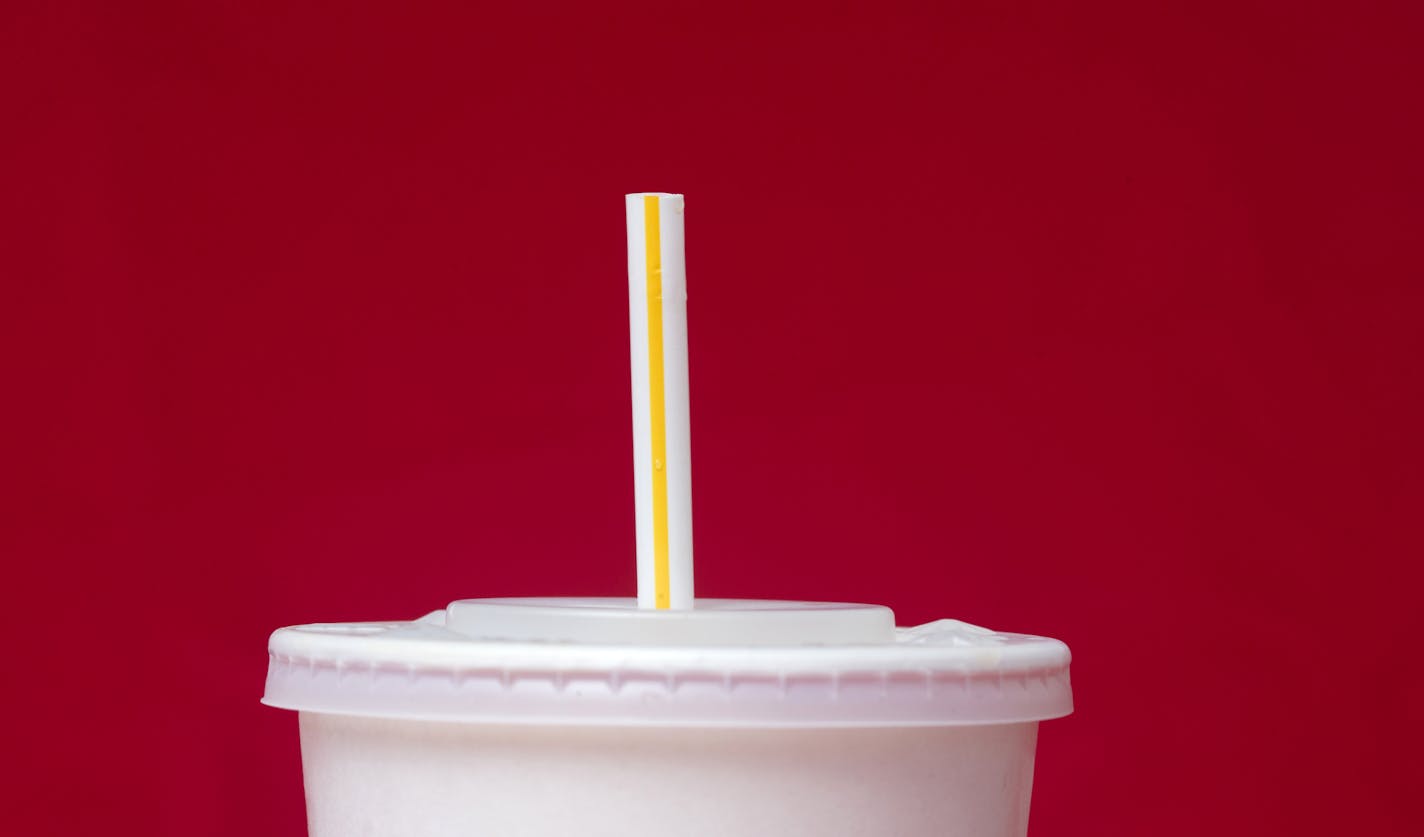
[543,717]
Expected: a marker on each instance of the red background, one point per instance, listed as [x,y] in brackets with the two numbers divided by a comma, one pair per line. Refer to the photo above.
[1101,322]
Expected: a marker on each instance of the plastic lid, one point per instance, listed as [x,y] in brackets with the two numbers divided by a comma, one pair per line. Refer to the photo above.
[727,662]
[712,622]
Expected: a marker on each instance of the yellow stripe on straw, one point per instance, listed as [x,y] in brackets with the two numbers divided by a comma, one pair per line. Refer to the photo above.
[652,235]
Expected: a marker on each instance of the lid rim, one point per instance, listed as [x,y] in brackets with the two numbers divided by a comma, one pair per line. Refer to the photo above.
[944,673]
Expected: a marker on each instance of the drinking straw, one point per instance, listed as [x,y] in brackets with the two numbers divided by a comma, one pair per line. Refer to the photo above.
[662,455]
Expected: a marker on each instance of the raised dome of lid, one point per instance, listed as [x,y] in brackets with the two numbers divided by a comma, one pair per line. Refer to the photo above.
[611,621]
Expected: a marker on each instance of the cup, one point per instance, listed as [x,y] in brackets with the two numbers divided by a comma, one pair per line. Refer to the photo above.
[542,717]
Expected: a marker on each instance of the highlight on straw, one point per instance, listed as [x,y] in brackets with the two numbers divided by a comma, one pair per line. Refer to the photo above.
[662,454]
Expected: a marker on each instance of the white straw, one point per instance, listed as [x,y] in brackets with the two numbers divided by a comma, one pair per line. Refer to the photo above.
[662,454]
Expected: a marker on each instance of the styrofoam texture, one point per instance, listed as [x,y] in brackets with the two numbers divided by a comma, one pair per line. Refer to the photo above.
[393,778]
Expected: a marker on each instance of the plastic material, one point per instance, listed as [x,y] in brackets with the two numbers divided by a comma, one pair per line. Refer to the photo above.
[726,663]
[662,448]
[713,622]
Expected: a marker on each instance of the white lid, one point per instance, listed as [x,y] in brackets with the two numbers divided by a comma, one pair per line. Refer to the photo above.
[727,662]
